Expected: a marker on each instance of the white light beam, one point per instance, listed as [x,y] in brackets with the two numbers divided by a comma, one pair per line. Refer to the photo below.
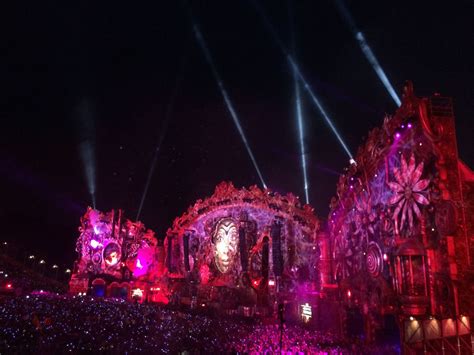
[227,100]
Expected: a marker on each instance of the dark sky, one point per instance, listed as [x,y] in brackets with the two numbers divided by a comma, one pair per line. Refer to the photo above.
[106,72]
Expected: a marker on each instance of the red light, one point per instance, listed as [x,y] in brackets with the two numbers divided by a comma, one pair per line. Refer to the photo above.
[255,283]
[271,282]
[349,293]
[9,285]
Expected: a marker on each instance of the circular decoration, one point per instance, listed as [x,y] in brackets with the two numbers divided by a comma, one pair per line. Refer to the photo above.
[112,254]
[374,260]
[96,258]
[445,218]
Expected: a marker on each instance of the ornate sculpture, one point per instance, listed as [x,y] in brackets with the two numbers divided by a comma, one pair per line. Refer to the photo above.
[409,191]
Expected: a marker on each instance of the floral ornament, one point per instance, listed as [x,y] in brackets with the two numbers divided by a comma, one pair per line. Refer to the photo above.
[364,218]
[344,254]
[409,191]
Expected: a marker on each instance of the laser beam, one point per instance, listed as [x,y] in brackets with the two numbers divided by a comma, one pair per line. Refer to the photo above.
[299,113]
[228,102]
[163,130]
[299,116]
[368,53]
[320,107]
[294,66]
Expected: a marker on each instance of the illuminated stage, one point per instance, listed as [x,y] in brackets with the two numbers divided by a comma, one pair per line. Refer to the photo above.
[398,249]
[240,251]
[245,248]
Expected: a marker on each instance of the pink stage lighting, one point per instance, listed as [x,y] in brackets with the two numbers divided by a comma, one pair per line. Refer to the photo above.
[139,264]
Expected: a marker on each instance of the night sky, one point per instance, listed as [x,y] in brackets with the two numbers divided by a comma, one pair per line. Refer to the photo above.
[106,74]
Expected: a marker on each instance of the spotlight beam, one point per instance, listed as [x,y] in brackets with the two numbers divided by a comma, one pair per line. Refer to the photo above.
[164,128]
[297,70]
[228,102]
[84,120]
[299,113]
[318,104]
[86,152]
[299,116]
[368,53]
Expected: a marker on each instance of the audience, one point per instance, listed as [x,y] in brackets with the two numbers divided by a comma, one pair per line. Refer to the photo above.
[48,323]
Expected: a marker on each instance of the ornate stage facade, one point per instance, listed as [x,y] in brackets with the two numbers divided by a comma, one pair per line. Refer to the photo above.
[247,248]
[402,229]
[240,251]
[397,249]
[117,258]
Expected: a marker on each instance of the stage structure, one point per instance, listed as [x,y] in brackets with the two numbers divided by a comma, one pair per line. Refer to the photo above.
[245,250]
[402,230]
[117,258]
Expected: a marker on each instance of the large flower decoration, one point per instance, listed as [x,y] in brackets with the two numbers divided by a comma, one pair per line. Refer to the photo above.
[409,190]
[364,218]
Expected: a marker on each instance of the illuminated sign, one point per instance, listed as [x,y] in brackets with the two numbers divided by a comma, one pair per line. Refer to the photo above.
[306,312]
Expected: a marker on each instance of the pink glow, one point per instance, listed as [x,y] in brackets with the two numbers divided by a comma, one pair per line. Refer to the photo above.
[139,264]
[143,261]
[94,243]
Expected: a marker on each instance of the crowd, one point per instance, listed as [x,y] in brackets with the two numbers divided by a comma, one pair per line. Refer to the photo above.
[24,279]
[57,324]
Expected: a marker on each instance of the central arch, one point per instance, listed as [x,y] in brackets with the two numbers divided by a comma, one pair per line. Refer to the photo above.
[244,247]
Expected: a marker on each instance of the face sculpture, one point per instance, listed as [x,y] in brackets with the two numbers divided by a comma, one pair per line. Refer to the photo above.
[226,240]
[112,254]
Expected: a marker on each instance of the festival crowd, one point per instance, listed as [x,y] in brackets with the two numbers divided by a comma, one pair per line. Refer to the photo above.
[49,323]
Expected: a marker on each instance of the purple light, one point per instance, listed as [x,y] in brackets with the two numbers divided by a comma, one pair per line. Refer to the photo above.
[143,261]
[94,243]
[409,125]
[397,135]
[403,126]
[96,230]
